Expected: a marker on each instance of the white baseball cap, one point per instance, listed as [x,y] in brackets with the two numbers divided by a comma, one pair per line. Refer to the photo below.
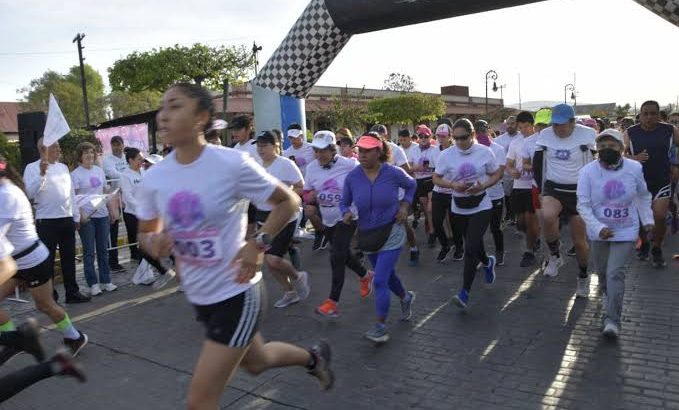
[295,133]
[323,139]
[611,132]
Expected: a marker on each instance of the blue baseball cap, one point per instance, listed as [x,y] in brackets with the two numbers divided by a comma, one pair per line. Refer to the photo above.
[562,113]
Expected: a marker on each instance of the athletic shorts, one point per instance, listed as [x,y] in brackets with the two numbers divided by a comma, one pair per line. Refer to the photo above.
[281,242]
[424,187]
[35,276]
[234,321]
[565,194]
[522,201]
[659,190]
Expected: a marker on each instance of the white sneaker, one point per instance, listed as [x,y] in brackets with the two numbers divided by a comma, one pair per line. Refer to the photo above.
[109,287]
[611,330]
[95,290]
[288,299]
[583,287]
[302,233]
[301,285]
[163,279]
[553,265]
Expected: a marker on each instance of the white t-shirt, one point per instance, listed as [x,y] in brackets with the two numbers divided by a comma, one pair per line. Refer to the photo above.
[114,167]
[421,156]
[129,184]
[497,191]
[410,151]
[615,199]
[249,147]
[525,181]
[16,222]
[470,167]
[329,187]
[564,157]
[204,207]
[52,193]
[5,247]
[399,157]
[436,161]
[90,182]
[505,140]
[303,156]
[285,171]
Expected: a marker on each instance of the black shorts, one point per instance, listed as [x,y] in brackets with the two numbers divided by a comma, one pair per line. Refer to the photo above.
[234,321]
[659,189]
[35,276]
[252,214]
[424,187]
[565,194]
[522,201]
[281,242]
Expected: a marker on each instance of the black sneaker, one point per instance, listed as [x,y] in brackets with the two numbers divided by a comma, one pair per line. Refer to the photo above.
[642,254]
[431,241]
[321,369]
[658,260]
[459,254]
[527,260]
[318,239]
[9,353]
[66,366]
[294,257]
[443,253]
[29,342]
[116,267]
[76,345]
[77,298]
[324,242]
[414,257]
[500,259]
[571,251]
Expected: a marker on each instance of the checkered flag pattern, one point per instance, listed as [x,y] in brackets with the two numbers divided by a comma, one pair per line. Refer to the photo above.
[307,51]
[667,9]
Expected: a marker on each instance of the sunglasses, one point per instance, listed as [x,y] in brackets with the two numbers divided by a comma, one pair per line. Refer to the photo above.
[462,137]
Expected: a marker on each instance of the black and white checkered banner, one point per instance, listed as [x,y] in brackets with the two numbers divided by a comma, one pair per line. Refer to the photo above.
[667,9]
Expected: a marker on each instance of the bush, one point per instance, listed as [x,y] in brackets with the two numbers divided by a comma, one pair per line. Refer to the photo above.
[11,151]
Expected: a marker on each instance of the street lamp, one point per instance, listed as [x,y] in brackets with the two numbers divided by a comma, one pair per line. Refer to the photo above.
[571,88]
[491,74]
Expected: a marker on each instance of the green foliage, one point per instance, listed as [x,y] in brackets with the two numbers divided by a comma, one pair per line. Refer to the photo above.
[68,92]
[124,103]
[399,82]
[409,108]
[158,69]
[622,110]
[11,151]
[70,141]
[347,110]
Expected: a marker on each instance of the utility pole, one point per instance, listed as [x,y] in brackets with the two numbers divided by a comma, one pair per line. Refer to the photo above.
[78,38]
[519,90]
[256,49]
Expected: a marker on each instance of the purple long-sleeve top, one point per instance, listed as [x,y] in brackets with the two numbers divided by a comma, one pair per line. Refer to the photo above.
[377,202]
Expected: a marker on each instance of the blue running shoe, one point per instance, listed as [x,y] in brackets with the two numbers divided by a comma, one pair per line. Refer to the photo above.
[407,305]
[461,299]
[490,269]
[378,333]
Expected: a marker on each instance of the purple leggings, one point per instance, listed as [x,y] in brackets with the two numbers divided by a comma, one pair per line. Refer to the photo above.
[384,264]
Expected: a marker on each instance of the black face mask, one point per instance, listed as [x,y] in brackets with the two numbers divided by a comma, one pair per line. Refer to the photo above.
[609,156]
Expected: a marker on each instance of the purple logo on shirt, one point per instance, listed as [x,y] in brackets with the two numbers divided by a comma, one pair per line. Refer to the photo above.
[466,171]
[614,189]
[95,182]
[185,209]
[563,154]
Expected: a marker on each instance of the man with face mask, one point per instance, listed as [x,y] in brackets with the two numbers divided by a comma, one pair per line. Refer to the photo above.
[512,134]
[614,202]
[565,147]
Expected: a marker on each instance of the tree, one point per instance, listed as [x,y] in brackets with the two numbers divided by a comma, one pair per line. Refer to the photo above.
[11,152]
[68,92]
[346,110]
[124,103]
[410,108]
[622,110]
[156,70]
[399,82]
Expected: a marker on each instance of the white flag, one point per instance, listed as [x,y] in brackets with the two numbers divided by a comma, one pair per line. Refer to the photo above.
[56,126]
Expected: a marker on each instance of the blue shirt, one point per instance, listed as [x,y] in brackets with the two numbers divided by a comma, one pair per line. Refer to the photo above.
[377,202]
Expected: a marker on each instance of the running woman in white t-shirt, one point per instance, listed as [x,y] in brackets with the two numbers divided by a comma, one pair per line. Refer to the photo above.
[295,283]
[187,208]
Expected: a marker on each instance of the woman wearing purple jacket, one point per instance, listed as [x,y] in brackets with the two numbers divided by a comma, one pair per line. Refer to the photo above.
[374,189]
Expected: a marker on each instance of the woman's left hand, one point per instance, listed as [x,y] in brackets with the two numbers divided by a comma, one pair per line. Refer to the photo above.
[475,189]
[402,214]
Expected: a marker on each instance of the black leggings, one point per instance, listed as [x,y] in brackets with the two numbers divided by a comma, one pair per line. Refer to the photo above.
[132,225]
[13,383]
[440,207]
[340,237]
[474,227]
[496,226]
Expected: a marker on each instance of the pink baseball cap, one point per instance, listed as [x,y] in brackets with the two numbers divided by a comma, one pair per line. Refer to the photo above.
[590,122]
[423,130]
[368,142]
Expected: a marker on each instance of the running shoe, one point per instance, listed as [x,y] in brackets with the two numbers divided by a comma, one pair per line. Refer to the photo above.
[76,345]
[321,370]
[643,252]
[611,330]
[325,242]
[95,290]
[318,240]
[328,309]
[9,353]
[407,305]
[302,233]
[571,251]
[500,259]
[553,265]
[29,333]
[443,254]
[527,260]
[163,280]
[294,257]
[301,285]
[64,365]
[458,255]
[431,241]
[288,299]
[657,258]
[116,268]
[582,290]
[414,257]
[366,284]
[461,299]
[109,287]
[378,333]
[489,269]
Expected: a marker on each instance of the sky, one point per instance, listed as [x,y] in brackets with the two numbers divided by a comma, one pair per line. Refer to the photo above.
[613,50]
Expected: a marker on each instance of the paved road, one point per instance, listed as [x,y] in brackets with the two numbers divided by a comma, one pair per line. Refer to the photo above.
[526,343]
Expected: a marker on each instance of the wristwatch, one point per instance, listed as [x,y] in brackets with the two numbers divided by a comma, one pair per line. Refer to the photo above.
[263,240]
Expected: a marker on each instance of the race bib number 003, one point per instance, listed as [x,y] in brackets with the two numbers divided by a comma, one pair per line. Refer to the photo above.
[198,247]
